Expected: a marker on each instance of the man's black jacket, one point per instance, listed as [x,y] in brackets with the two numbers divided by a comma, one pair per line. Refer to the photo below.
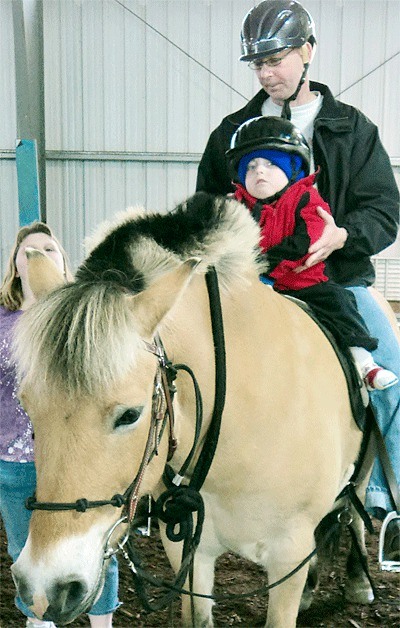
[356,180]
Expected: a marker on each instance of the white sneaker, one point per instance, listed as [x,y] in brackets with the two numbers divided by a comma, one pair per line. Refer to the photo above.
[378,378]
[31,622]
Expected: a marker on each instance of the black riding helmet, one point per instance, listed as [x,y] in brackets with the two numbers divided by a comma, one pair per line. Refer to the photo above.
[267,133]
[273,26]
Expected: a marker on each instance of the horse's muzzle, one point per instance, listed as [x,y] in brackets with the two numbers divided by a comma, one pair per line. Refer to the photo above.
[61,603]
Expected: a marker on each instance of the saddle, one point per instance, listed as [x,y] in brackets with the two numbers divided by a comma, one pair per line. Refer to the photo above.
[357,392]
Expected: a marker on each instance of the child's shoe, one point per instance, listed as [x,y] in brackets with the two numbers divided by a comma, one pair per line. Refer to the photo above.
[378,378]
[31,622]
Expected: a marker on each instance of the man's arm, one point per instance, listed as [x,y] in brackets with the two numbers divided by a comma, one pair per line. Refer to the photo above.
[367,220]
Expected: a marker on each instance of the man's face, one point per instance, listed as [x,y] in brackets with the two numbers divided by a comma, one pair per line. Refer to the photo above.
[280,73]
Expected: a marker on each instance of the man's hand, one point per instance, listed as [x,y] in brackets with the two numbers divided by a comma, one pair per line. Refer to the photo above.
[332,238]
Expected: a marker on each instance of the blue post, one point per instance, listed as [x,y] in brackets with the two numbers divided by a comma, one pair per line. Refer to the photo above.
[29,93]
[28,181]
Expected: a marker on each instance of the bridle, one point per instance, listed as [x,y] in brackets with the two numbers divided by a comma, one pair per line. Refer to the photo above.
[179,504]
[161,412]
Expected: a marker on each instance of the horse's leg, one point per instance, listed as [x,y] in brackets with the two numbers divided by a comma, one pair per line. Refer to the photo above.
[310,586]
[203,582]
[284,600]
[358,588]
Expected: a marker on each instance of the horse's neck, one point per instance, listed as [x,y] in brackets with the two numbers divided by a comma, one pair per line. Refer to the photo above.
[250,316]
[187,336]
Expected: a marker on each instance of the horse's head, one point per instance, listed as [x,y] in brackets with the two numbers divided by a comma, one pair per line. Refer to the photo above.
[87,384]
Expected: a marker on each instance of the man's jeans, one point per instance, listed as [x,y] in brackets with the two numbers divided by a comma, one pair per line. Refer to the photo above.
[386,403]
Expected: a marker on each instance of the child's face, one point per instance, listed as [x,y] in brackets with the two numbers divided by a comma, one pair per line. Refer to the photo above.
[263,179]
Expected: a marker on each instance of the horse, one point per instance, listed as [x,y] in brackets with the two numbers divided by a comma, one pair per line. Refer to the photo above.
[87,363]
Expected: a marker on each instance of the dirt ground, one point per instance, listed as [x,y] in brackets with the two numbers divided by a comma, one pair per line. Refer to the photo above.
[236,575]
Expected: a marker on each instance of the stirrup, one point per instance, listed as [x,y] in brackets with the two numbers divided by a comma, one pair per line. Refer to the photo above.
[386,564]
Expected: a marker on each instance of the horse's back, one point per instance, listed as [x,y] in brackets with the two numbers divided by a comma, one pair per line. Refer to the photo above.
[287,422]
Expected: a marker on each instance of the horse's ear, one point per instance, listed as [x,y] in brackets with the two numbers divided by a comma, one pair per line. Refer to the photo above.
[43,273]
[151,305]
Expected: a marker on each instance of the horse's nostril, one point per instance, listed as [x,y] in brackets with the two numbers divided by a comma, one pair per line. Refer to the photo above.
[68,595]
[22,586]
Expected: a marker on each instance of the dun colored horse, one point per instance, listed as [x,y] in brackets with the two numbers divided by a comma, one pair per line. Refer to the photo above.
[287,445]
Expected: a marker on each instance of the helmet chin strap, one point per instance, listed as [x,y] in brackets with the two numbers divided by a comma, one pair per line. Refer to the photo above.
[286,111]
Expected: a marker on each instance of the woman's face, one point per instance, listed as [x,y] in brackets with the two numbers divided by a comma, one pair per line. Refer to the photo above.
[42,242]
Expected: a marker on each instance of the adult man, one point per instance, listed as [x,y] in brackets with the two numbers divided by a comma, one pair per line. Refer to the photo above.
[356,179]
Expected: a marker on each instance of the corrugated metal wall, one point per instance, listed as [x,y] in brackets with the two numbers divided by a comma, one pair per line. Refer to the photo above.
[134,87]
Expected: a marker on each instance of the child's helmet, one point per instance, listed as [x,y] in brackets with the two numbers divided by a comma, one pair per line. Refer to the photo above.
[274,25]
[269,133]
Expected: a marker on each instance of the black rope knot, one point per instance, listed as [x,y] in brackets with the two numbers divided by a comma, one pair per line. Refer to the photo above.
[117,500]
[30,503]
[176,506]
[81,505]
[171,374]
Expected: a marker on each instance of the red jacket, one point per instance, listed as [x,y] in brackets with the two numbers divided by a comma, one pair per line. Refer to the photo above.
[288,227]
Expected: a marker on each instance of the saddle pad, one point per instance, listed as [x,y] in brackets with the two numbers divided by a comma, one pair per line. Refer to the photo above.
[354,383]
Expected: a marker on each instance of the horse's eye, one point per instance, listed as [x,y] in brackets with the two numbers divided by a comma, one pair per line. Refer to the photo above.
[129,417]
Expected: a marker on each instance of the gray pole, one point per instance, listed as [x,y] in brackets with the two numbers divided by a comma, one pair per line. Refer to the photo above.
[29,79]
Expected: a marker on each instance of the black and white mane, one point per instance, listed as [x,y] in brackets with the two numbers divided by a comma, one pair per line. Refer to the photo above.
[138,247]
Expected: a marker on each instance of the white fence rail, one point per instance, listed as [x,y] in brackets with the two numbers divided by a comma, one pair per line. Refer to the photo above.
[388,277]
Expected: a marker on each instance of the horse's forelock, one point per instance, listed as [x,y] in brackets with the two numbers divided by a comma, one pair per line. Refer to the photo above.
[80,338]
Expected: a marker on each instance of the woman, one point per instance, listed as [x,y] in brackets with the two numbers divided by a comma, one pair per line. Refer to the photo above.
[17,469]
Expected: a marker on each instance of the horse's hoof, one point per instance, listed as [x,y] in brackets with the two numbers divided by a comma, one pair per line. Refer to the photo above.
[306,600]
[359,595]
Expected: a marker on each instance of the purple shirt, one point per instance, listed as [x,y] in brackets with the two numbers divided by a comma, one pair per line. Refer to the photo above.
[16,442]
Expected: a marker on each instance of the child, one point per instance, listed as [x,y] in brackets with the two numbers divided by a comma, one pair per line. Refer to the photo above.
[270,162]
[17,469]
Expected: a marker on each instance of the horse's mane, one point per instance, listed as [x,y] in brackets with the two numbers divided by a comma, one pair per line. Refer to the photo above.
[82,335]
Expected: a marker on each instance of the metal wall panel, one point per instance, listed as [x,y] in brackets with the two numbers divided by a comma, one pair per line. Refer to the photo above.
[7,78]
[8,209]
[133,89]
[8,132]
